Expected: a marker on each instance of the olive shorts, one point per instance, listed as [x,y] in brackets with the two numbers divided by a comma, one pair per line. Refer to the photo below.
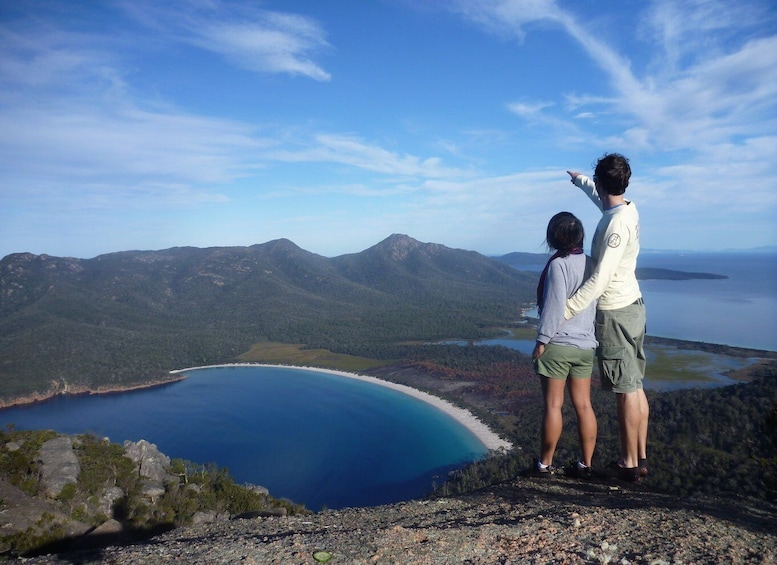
[561,361]
[621,353]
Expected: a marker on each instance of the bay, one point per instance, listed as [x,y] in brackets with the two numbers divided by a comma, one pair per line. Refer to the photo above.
[314,438]
[740,311]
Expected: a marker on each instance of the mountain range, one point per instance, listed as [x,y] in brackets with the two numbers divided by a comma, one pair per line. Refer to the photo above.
[124,319]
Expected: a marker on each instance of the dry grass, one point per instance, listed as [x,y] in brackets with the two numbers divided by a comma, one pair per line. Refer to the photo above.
[295,354]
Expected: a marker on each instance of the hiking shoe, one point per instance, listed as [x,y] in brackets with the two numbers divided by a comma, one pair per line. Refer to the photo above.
[578,470]
[627,474]
[643,468]
[536,470]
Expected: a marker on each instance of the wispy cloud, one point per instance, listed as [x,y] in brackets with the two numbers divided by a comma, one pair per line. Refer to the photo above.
[507,17]
[254,39]
[686,32]
[704,88]
[355,152]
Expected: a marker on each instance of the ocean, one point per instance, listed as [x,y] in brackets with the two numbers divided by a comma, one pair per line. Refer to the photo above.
[740,311]
[312,437]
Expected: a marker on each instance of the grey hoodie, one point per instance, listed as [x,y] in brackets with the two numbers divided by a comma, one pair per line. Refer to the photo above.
[564,277]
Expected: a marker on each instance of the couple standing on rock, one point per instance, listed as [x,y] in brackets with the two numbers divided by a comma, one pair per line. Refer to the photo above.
[594,304]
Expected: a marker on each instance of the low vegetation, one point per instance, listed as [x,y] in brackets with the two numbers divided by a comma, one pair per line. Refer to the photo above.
[720,441]
[191,489]
[298,355]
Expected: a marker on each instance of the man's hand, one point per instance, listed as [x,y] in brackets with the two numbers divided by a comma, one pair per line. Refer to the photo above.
[573,175]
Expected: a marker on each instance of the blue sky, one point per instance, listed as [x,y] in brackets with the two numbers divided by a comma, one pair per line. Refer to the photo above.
[145,124]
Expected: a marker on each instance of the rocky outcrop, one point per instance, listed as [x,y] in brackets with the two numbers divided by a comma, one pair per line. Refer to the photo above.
[152,463]
[22,513]
[63,494]
[520,521]
[59,465]
[152,466]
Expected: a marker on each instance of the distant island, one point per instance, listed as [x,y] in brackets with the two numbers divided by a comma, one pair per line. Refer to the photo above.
[646,273]
[521,261]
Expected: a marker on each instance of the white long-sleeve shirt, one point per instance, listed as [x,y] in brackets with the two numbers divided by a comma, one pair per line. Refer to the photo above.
[614,250]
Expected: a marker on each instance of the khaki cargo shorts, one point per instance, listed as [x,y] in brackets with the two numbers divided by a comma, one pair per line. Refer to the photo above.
[621,352]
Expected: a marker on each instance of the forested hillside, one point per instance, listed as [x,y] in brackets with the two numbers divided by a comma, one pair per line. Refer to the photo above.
[124,319]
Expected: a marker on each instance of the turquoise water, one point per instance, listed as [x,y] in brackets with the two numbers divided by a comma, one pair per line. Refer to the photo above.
[315,438]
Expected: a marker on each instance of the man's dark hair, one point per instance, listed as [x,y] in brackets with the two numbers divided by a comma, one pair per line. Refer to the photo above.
[612,172]
[565,233]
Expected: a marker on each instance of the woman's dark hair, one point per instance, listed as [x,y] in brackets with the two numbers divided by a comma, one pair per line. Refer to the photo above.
[565,233]
[613,172]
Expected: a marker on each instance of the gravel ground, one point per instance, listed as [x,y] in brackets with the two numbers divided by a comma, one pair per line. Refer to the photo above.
[526,520]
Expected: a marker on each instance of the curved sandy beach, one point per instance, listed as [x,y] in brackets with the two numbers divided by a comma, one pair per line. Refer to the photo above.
[482,432]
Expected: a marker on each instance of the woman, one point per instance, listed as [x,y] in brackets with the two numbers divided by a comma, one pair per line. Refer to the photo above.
[564,353]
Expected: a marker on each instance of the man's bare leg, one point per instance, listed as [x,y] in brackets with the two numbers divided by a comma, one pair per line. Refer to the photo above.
[643,428]
[631,422]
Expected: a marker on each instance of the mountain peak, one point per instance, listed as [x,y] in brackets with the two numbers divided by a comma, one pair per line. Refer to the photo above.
[399,246]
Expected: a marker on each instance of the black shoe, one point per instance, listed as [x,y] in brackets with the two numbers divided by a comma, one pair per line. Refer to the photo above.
[643,468]
[627,474]
[578,470]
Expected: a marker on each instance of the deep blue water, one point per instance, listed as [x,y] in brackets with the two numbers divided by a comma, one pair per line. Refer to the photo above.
[315,438]
[740,311]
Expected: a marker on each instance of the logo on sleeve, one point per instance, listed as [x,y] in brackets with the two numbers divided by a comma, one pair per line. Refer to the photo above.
[614,240]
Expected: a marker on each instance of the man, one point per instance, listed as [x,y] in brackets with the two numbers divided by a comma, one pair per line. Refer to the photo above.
[620,314]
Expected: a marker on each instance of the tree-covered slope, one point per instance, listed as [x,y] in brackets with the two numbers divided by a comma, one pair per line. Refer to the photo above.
[122,319]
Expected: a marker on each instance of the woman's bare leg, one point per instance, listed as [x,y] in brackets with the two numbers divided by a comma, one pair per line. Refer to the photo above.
[587,427]
[553,393]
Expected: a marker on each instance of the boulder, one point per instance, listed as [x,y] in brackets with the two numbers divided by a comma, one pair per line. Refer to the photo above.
[152,463]
[108,527]
[12,446]
[108,500]
[59,465]
[200,517]
[152,466]
[258,489]
[153,490]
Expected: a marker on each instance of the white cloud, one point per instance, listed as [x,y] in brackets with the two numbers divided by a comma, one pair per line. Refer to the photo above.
[277,43]
[686,32]
[708,90]
[251,38]
[76,144]
[506,17]
[529,111]
[354,152]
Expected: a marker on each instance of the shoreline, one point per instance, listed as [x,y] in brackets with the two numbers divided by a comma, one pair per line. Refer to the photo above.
[462,416]
[82,391]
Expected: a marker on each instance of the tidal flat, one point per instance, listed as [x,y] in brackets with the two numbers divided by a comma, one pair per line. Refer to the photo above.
[671,364]
[669,368]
